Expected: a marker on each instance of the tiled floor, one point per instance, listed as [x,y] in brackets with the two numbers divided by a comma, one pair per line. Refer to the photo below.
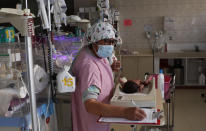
[190,111]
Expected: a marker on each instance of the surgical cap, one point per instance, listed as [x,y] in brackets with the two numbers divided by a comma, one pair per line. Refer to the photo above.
[100,31]
[103,4]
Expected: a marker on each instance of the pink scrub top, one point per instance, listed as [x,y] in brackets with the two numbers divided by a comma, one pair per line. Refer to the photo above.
[90,70]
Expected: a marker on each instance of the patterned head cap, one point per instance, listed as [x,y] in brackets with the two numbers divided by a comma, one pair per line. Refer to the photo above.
[100,31]
[103,4]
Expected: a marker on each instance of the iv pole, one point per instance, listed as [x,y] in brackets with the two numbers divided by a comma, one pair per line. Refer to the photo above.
[30,75]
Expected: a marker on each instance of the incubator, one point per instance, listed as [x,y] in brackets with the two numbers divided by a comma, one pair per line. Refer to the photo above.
[147,98]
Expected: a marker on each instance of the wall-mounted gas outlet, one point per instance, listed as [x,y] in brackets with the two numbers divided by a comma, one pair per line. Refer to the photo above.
[170,37]
[148,34]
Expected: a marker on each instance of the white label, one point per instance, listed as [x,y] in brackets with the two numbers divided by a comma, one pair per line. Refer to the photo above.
[18,56]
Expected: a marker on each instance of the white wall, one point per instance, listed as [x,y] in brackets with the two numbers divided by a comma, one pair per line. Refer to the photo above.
[189,19]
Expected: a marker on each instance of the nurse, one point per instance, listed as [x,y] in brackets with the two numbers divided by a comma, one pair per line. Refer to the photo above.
[95,82]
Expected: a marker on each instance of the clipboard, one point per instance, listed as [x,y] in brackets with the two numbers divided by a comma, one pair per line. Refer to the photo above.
[126,121]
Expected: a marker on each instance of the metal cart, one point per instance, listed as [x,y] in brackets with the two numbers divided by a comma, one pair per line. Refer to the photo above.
[169,103]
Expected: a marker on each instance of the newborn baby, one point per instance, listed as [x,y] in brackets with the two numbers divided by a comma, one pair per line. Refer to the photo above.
[133,86]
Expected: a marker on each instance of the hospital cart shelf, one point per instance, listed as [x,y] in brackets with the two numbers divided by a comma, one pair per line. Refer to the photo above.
[185,65]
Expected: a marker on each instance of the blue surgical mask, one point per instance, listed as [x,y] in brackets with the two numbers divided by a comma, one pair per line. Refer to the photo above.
[105,51]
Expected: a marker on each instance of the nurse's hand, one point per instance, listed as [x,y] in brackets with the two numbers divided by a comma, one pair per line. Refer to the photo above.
[134,113]
[116,66]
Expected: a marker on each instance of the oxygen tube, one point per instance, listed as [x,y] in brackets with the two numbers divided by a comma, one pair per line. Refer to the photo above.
[50,66]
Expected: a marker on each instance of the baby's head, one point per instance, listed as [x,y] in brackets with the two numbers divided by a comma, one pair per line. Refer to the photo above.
[130,87]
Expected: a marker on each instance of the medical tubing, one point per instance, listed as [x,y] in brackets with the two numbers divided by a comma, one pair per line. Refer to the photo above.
[153,53]
[45,62]
[43,49]
[50,60]
[50,65]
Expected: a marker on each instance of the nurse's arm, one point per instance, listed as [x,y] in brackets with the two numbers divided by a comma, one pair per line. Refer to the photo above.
[98,108]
